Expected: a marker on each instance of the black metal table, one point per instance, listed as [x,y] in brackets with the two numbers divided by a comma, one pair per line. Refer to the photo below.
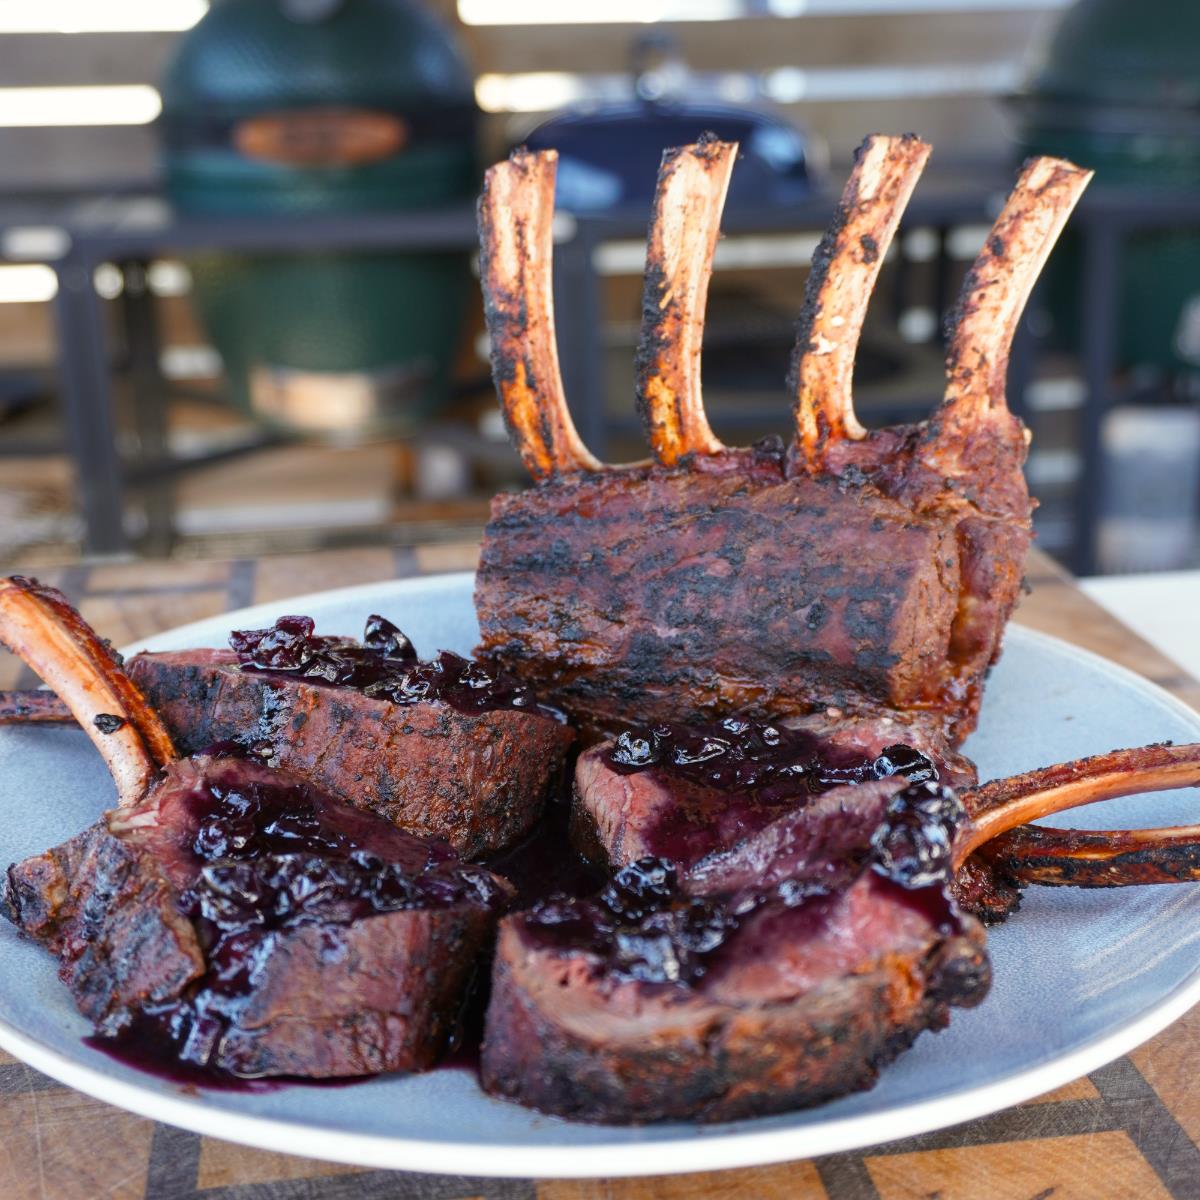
[133,231]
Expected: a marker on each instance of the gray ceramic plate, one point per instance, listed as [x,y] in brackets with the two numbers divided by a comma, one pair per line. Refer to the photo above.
[1081,977]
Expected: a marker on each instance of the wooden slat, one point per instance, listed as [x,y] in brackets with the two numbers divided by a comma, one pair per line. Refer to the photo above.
[284,575]
[1067,1168]
[222,1164]
[791,1181]
[49,59]
[93,158]
[80,1150]
[760,43]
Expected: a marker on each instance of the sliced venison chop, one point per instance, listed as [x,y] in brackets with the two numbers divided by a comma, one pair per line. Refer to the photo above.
[681,792]
[742,791]
[864,570]
[442,748]
[231,915]
[445,748]
[779,969]
[658,1000]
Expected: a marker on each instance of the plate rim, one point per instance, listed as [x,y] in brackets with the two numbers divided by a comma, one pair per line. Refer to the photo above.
[618,1156]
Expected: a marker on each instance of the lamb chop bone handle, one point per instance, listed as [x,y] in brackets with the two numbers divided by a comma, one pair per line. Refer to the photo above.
[845,267]
[516,216]
[1096,858]
[1004,804]
[35,707]
[993,298]
[690,195]
[40,626]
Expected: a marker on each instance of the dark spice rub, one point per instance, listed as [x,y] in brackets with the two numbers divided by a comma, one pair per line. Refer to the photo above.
[732,585]
[442,748]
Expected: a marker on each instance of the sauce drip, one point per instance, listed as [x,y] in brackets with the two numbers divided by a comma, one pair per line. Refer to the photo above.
[384,666]
[769,762]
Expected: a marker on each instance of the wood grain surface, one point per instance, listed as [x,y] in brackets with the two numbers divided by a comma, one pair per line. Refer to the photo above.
[1131,1129]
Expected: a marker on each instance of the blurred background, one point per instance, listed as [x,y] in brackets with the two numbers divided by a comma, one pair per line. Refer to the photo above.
[238,308]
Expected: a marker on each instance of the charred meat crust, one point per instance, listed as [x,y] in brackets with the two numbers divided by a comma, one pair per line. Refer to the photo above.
[104,906]
[633,1054]
[690,595]
[985,890]
[478,781]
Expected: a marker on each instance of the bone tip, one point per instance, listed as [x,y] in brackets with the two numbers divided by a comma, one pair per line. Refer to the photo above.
[910,144]
[709,146]
[519,165]
[522,156]
[707,149]
[1044,171]
[903,147]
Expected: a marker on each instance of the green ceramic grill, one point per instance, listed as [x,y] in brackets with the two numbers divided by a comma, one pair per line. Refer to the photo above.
[1119,91]
[331,107]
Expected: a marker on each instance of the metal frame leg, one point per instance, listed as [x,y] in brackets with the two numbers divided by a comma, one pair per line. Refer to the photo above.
[149,406]
[1100,280]
[85,389]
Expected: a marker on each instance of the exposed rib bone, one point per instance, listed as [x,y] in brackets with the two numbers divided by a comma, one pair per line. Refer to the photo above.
[845,267]
[1004,804]
[33,708]
[1097,858]
[39,625]
[516,214]
[692,183]
[993,299]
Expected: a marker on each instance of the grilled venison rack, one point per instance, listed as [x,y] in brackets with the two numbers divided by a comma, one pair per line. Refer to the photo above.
[790,642]
[234,918]
[859,569]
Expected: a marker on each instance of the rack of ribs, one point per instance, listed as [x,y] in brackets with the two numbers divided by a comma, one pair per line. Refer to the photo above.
[854,569]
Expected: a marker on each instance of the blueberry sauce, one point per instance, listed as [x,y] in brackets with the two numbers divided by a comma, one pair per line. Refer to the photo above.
[262,855]
[255,857]
[729,781]
[771,762]
[141,1046]
[914,845]
[384,666]
[546,863]
[643,926]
